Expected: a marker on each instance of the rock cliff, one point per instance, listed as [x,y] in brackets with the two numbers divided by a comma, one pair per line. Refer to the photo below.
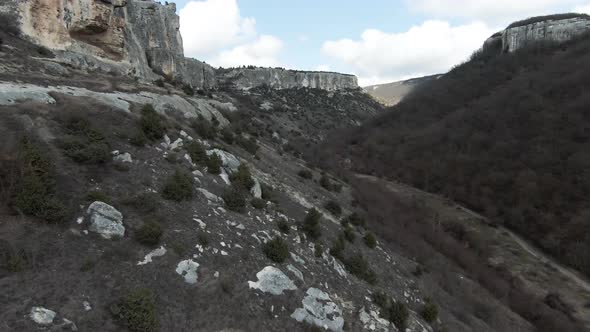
[141,38]
[278,78]
[555,28]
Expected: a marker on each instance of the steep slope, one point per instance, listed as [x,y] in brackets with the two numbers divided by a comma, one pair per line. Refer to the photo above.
[390,94]
[505,134]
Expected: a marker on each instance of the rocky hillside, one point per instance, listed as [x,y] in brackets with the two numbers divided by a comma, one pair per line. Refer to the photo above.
[139,38]
[551,28]
[127,205]
[389,94]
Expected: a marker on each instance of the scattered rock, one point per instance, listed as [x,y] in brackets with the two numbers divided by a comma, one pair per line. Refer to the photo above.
[295,271]
[105,220]
[229,161]
[42,316]
[272,280]
[87,306]
[318,309]
[188,270]
[371,321]
[154,253]
[210,196]
[176,145]
[256,190]
[122,157]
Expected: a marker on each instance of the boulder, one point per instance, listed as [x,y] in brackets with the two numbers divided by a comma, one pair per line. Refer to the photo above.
[318,309]
[105,220]
[229,162]
[256,190]
[272,280]
[42,316]
[188,270]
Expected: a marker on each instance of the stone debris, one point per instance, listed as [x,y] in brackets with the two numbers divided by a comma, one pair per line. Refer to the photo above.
[197,173]
[318,309]
[176,144]
[87,306]
[188,270]
[295,271]
[105,220]
[42,316]
[229,162]
[371,321]
[122,157]
[200,222]
[272,280]
[154,253]
[256,190]
[297,259]
[210,196]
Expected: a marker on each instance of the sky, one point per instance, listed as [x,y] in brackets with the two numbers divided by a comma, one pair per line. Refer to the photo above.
[379,41]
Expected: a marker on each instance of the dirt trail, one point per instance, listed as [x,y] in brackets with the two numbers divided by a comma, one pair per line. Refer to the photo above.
[568,282]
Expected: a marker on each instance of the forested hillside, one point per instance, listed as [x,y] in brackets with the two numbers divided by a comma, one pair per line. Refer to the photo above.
[505,134]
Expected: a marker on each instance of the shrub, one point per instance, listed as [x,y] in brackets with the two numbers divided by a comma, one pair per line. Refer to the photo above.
[152,124]
[358,266]
[258,203]
[380,299]
[333,207]
[318,250]
[337,249]
[172,158]
[250,144]
[88,265]
[398,314]
[159,82]
[214,164]
[197,153]
[267,192]
[305,173]
[188,90]
[370,240]
[35,191]
[179,248]
[227,136]
[283,226]
[9,24]
[429,311]
[137,311]
[242,179]
[203,239]
[204,128]
[144,203]
[139,139]
[325,182]
[276,250]
[178,187]
[355,219]
[235,200]
[96,195]
[150,233]
[311,224]
[349,234]
[82,150]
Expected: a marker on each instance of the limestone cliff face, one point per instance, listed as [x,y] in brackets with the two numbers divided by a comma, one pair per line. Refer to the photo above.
[555,30]
[278,78]
[141,38]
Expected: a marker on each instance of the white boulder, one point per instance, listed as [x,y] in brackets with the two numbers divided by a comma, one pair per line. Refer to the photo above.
[318,309]
[229,161]
[272,280]
[256,190]
[42,316]
[188,270]
[105,220]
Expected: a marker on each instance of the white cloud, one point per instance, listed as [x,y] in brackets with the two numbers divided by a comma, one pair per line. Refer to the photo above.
[263,52]
[491,11]
[432,47]
[215,31]
[582,9]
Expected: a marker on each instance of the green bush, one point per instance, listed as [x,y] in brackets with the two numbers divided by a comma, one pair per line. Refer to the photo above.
[172,158]
[88,265]
[311,224]
[137,311]
[203,239]
[197,153]
[250,144]
[337,249]
[276,250]
[150,233]
[267,192]
[333,207]
[381,299]
[325,182]
[283,226]
[214,164]
[97,195]
[358,266]
[152,124]
[318,250]
[429,311]
[227,136]
[258,203]
[83,150]
[370,240]
[188,90]
[349,234]
[35,190]
[305,173]
[354,219]
[144,202]
[204,128]
[178,187]
[242,179]
[398,314]
[235,200]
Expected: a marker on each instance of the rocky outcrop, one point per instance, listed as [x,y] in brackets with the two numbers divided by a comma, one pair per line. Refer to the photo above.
[141,38]
[555,28]
[278,78]
[106,220]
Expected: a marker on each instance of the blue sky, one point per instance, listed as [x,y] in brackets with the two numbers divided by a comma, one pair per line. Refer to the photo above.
[379,40]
